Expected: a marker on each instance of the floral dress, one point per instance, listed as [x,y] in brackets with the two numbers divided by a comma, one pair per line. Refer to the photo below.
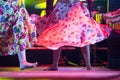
[17,30]
[113,20]
[70,25]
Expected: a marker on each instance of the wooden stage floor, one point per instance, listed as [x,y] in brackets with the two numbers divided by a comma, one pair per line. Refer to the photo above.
[63,73]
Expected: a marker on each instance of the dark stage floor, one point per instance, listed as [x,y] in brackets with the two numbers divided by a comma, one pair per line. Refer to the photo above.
[64,73]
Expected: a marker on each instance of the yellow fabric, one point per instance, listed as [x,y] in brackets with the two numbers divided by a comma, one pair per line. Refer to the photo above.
[20,2]
[98,17]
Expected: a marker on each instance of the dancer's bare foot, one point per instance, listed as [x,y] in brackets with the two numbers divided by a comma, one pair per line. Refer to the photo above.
[51,68]
[27,65]
[89,68]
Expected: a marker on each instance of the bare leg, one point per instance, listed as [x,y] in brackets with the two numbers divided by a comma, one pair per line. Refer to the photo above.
[86,54]
[56,57]
[23,62]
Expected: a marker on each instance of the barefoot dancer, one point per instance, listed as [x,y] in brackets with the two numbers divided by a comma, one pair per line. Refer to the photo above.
[70,24]
[16,31]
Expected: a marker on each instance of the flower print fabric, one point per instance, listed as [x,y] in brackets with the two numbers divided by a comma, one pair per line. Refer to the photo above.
[17,30]
[113,20]
[70,25]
